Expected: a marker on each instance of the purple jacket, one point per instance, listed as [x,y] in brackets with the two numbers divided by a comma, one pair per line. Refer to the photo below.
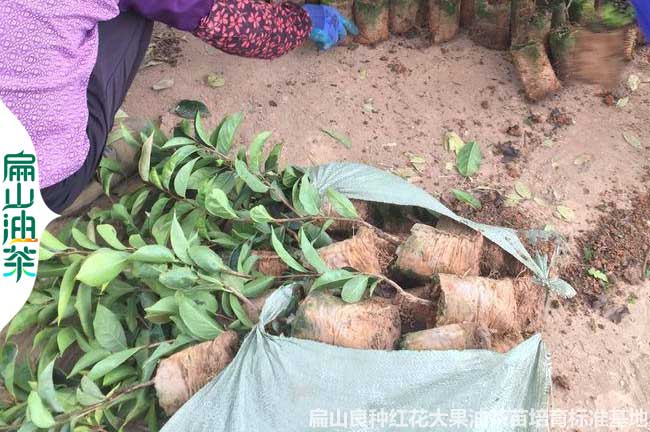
[49,48]
[181,14]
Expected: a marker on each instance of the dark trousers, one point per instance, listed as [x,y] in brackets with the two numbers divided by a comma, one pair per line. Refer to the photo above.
[123,42]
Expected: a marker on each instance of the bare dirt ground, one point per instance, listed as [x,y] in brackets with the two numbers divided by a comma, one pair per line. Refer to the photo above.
[399,99]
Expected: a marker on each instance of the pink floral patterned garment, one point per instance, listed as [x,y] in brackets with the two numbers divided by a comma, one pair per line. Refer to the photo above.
[252,28]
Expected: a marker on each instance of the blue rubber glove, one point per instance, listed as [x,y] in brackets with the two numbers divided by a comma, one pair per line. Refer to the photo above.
[643,16]
[329,27]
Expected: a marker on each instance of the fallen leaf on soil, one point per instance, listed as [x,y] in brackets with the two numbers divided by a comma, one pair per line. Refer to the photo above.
[188,109]
[467,198]
[406,172]
[363,73]
[633,82]
[512,199]
[468,159]
[163,84]
[632,140]
[523,190]
[622,102]
[565,213]
[597,274]
[453,142]
[214,80]
[340,137]
[418,162]
[368,106]
[583,159]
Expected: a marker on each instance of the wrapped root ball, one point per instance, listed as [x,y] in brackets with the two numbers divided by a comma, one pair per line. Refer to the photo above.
[369,324]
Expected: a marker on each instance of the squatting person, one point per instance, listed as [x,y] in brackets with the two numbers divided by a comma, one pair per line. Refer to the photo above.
[66,65]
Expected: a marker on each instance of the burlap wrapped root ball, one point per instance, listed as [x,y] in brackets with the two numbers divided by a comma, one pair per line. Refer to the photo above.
[372,17]
[449,337]
[403,15]
[444,19]
[535,70]
[505,306]
[183,374]
[429,251]
[365,252]
[491,25]
[373,323]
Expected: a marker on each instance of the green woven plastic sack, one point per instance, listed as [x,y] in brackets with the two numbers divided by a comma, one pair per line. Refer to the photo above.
[285,384]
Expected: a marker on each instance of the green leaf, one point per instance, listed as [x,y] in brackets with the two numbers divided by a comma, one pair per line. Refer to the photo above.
[111,362]
[170,166]
[180,245]
[102,266]
[178,278]
[338,136]
[118,374]
[240,313]
[178,142]
[52,243]
[197,321]
[89,394]
[154,254]
[188,109]
[467,198]
[468,160]
[44,254]
[109,234]
[311,255]
[144,164]
[217,204]
[45,388]
[83,240]
[206,258]
[87,360]
[65,338]
[309,196]
[65,291]
[183,177]
[259,214]
[24,319]
[256,149]
[284,255]
[227,132]
[341,204]
[83,305]
[251,180]
[354,289]
[160,311]
[201,134]
[331,279]
[273,159]
[597,274]
[38,413]
[257,287]
[108,330]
